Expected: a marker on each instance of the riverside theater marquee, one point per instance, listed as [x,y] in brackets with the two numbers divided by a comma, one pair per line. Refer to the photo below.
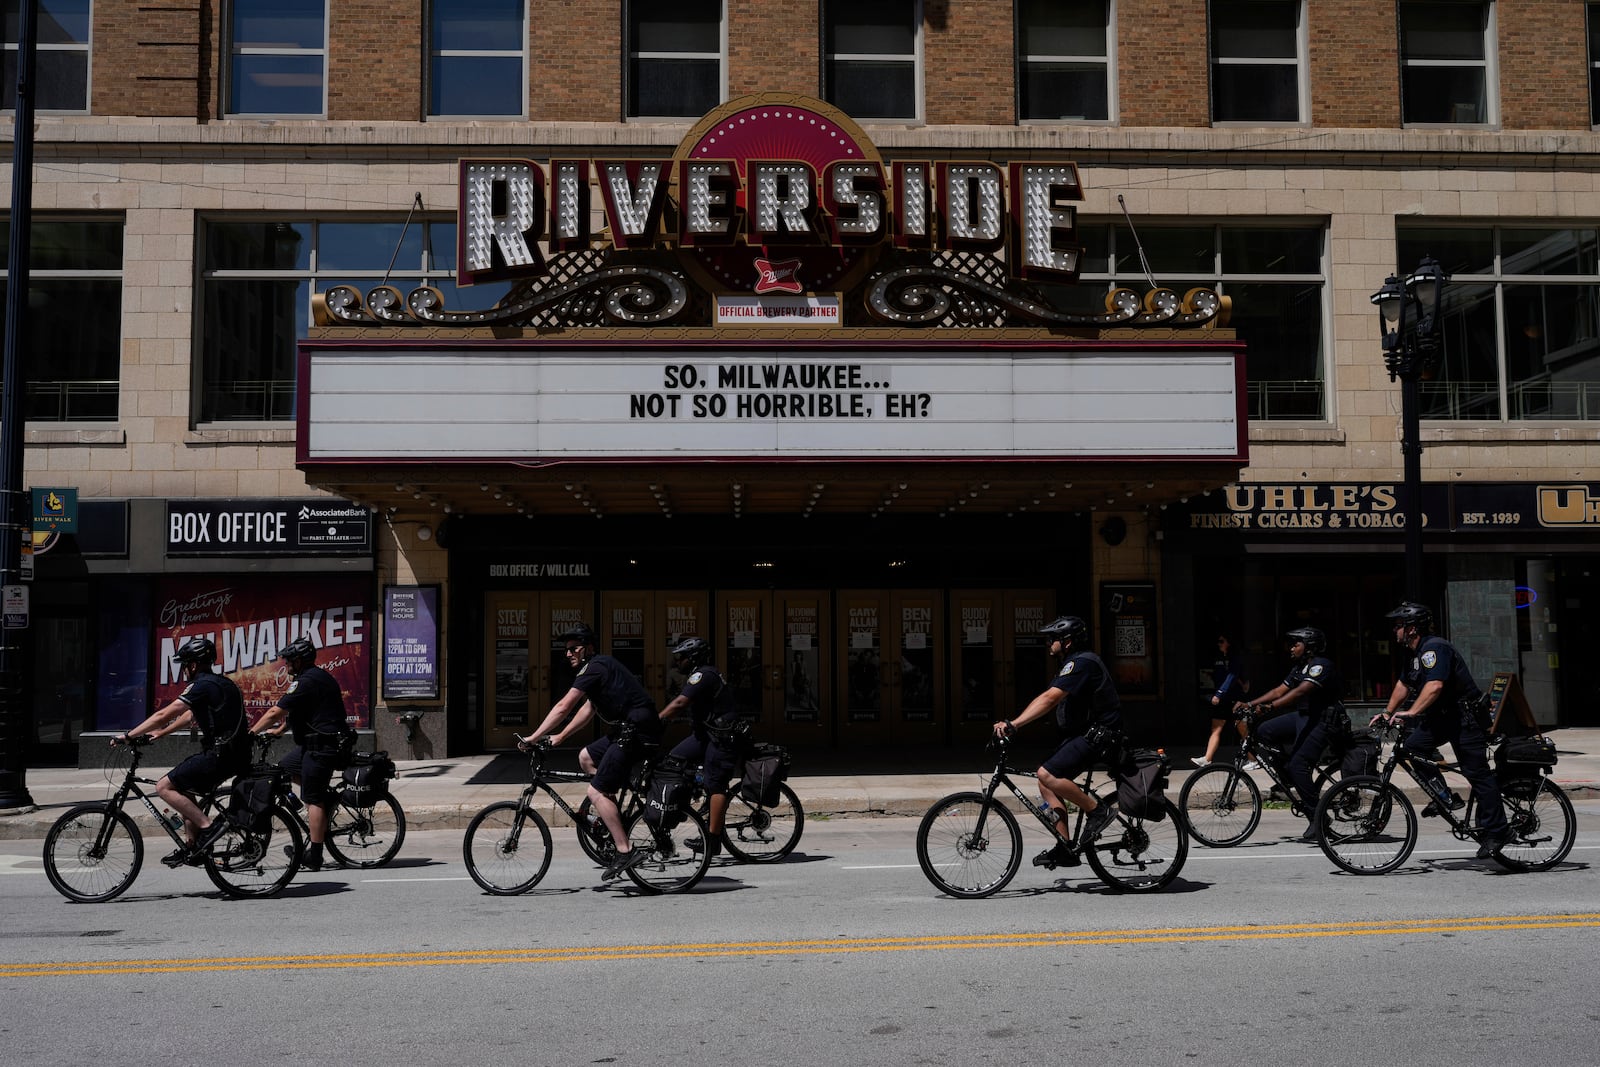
[776,290]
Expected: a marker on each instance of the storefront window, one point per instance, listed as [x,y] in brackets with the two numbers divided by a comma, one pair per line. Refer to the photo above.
[1522,321]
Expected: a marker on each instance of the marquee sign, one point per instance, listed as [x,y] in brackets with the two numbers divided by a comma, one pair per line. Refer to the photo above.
[771,194]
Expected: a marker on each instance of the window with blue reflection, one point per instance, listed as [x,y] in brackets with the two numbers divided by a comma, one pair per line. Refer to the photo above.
[278,57]
[477,58]
[61,74]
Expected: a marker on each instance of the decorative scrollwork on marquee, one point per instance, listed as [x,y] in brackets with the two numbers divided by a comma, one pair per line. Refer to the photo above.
[630,294]
[933,296]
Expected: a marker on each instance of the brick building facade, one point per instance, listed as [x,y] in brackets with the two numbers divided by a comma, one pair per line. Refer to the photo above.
[227,216]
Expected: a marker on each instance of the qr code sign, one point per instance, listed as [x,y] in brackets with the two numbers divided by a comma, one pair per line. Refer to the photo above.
[1129,639]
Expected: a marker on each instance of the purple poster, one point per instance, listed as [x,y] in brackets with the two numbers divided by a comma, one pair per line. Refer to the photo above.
[411,642]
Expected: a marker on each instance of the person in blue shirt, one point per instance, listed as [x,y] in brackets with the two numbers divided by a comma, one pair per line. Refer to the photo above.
[1438,699]
[1088,717]
[606,689]
[1310,694]
[711,741]
[1231,687]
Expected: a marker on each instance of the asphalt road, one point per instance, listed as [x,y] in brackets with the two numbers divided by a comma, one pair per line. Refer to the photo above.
[843,954]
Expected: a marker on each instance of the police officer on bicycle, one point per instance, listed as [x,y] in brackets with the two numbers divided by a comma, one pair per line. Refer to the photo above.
[1088,716]
[713,719]
[314,707]
[1310,693]
[604,687]
[211,702]
[1438,699]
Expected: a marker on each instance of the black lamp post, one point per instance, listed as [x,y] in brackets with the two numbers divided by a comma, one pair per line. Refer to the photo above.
[1412,350]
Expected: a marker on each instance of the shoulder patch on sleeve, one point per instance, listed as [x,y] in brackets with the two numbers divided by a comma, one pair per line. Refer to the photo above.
[694,679]
[1430,658]
[1315,671]
[293,686]
[1067,669]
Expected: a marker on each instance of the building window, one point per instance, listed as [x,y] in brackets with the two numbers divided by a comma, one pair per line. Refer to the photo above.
[61,66]
[72,358]
[1594,64]
[1522,321]
[1446,77]
[258,278]
[1275,273]
[1064,50]
[477,58]
[677,65]
[872,58]
[1257,61]
[278,57]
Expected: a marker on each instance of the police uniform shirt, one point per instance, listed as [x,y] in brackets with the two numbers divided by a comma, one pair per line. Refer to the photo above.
[315,705]
[1325,684]
[1436,660]
[1089,697]
[709,695]
[218,710]
[612,689]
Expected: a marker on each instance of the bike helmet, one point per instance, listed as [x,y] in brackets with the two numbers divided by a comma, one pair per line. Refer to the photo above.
[1314,639]
[1066,628]
[299,649]
[693,649]
[1412,614]
[197,650]
[580,633]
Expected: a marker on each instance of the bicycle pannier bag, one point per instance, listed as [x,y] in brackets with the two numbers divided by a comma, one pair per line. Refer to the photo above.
[251,796]
[766,768]
[667,794]
[1524,757]
[1142,783]
[1360,755]
[366,779]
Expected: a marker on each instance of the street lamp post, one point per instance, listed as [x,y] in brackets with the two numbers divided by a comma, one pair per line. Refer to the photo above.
[1412,349]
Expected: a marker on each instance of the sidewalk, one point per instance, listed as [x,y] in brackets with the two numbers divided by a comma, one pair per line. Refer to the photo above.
[445,794]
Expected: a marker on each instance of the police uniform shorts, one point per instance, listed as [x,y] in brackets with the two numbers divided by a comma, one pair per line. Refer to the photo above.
[205,771]
[718,759]
[1076,755]
[314,769]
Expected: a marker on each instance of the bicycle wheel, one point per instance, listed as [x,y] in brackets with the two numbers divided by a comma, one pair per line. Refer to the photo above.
[1542,825]
[961,860]
[1366,826]
[93,853]
[366,836]
[593,837]
[757,834]
[672,866]
[256,863]
[1140,855]
[1221,805]
[507,848]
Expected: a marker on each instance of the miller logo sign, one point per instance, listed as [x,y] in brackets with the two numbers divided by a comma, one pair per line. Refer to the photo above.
[767,194]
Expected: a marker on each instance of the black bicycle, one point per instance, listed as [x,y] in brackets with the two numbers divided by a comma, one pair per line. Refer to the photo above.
[94,851]
[507,847]
[1367,825]
[1221,802]
[970,844]
[365,829]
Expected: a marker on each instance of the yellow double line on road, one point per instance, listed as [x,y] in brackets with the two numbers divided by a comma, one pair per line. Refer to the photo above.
[820,947]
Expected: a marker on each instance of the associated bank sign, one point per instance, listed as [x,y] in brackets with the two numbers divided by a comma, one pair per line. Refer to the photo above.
[267,528]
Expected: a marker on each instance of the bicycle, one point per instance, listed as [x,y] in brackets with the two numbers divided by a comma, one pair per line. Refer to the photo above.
[360,836]
[1367,825]
[752,832]
[1221,802]
[94,851]
[507,846]
[970,844]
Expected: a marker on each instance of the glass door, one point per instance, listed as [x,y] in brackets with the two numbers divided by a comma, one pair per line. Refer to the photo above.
[891,648]
[526,660]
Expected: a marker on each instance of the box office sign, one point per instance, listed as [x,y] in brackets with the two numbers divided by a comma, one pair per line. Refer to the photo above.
[255,527]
